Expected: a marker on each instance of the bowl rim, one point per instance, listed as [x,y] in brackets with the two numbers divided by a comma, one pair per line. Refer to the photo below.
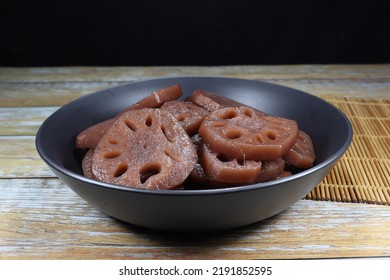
[196,192]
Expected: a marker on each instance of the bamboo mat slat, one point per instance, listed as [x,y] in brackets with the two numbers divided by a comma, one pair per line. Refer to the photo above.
[363,174]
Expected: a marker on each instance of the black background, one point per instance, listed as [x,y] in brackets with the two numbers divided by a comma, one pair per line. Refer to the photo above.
[135,33]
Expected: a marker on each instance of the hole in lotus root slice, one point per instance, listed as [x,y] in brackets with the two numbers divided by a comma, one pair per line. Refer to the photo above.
[229,114]
[248,112]
[130,125]
[233,133]
[224,158]
[148,121]
[181,117]
[113,141]
[271,134]
[170,135]
[218,124]
[171,155]
[120,169]
[112,154]
[149,170]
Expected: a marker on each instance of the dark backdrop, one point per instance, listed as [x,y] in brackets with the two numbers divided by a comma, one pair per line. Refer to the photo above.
[213,32]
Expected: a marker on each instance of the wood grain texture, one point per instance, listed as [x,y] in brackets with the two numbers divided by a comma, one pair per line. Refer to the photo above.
[19,158]
[58,224]
[378,72]
[41,218]
[22,121]
[58,85]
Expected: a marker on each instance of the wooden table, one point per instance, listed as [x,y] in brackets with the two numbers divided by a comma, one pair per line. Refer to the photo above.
[41,218]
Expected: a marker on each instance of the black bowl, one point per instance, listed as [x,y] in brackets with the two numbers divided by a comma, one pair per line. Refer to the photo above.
[195,210]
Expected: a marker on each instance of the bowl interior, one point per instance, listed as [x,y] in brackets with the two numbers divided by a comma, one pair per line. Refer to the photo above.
[329,129]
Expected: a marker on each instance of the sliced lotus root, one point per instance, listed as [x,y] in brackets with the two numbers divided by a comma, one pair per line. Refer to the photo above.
[86,164]
[211,101]
[245,133]
[89,137]
[199,180]
[284,174]
[145,148]
[188,114]
[159,97]
[270,170]
[302,154]
[226,169]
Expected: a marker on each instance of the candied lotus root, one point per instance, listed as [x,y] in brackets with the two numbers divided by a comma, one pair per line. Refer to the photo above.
[210,101]
[188,114]
[90,137]
[245,133]
[222,168]
[87,164]
[270,170]
[145,148]
[159,97]
[302,154]
[199,180]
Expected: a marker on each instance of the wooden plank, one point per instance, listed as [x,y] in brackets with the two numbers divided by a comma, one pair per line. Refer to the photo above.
[60,85]
[19,158]
[60,93]
[41,218]
[23,120]
[57,224]
[46,93]
[120,74]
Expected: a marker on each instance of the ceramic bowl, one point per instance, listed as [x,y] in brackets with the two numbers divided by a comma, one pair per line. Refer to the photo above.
[205,209]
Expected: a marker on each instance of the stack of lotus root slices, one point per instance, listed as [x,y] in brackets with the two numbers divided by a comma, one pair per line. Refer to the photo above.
[204,141]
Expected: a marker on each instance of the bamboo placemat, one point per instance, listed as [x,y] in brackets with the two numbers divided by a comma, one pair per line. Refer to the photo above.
[363,174]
